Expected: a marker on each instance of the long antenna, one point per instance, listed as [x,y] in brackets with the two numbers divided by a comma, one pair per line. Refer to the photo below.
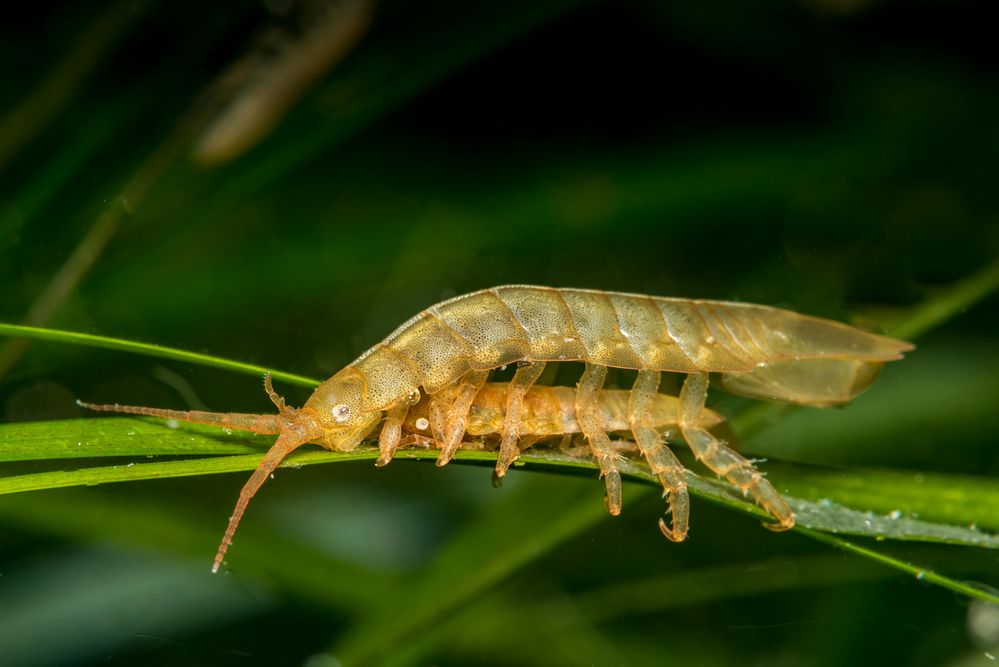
[284,446]
[269,424]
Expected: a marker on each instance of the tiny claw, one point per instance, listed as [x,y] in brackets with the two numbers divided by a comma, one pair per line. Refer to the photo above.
[382,461]
[671,534]
[781,526]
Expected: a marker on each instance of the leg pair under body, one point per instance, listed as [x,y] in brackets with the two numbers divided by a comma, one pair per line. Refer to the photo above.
[449,415]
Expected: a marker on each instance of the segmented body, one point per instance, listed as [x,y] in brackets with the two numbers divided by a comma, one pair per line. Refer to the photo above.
[448,350]
[504,325]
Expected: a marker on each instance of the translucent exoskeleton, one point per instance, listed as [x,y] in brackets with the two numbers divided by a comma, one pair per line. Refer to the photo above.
[446,352]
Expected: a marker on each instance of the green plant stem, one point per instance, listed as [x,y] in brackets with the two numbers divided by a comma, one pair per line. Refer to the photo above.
[920,573]
[160,351]
[950,302]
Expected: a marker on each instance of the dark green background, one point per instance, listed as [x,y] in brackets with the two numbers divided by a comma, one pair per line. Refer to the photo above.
[837,158]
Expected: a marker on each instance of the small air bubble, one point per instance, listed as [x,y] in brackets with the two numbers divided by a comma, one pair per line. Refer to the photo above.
[983,623]
[710,340]
[130,465]
[172,423]
[895,514]
[322,660]
[921,575]
[569,339]
[422,424]
[227,431]
[503,367]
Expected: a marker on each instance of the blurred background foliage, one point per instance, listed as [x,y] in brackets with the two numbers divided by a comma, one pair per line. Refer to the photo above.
[836,157]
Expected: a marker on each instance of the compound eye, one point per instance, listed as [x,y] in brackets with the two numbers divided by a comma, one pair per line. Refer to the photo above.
[341,413]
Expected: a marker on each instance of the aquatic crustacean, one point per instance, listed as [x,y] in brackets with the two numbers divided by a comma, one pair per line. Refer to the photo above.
[447,351]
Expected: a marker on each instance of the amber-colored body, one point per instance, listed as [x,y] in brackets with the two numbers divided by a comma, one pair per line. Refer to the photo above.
[550,412]
[447,351]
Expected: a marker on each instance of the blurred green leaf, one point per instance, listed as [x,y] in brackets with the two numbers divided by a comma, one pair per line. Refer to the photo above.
[165,526]
[91,622]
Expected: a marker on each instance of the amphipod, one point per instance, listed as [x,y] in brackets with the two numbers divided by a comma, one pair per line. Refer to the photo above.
[447,351]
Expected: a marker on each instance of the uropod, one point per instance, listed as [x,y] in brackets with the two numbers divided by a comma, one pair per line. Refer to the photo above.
[439,361]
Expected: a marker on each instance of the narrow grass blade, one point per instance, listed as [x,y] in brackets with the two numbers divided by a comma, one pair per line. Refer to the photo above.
[148,349]
[139,438]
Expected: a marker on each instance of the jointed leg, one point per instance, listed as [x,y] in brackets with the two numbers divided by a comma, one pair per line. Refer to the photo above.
[527,374]
[588,414]
[457,414]
[722,460]
[437,417]
[663,462]
[391,435]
